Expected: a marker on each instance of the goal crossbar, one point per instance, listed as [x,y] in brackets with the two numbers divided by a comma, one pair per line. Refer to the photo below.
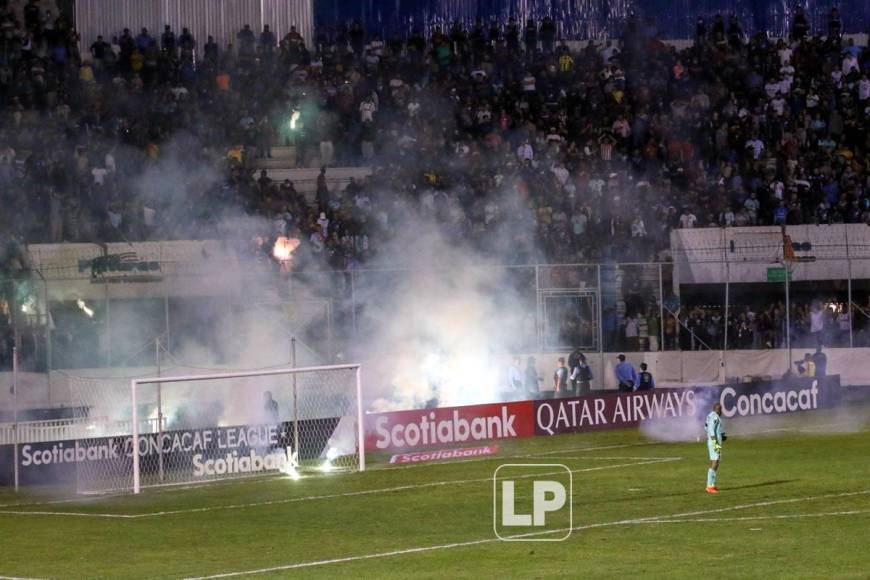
[134,383]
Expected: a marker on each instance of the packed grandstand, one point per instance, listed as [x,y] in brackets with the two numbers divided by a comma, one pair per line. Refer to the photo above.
[584,151]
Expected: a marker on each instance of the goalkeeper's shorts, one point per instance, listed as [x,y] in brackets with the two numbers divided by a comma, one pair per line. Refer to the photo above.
[714,455]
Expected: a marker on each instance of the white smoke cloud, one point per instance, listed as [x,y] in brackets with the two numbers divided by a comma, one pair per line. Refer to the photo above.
[435,331]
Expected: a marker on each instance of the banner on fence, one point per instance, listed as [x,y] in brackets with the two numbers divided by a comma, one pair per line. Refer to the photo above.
[195,453]
[244,449]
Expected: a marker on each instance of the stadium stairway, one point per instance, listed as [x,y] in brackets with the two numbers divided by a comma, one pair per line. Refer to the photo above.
[305,178]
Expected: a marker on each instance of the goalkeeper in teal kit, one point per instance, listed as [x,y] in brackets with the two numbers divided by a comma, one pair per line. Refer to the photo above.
[715,437]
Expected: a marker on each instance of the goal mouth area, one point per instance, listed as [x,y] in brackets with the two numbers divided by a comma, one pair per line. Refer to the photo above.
[307,470]
[191,429]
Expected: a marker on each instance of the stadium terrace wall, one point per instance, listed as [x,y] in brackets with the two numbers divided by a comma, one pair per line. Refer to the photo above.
[671,369]
[444,427]
[139,270]
[222,19]
[576,19]
[714,255]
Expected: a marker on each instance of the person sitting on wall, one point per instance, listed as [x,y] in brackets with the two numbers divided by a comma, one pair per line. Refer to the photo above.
[806,367]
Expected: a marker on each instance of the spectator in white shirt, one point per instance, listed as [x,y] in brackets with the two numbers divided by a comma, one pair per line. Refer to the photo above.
[752,206]
[529,83]
[850,63]
[560,173]
[367,110]
[515,377]
[638,228]
[757,146]
[525,152]
[631,333]
[99,175]
[817,322]
[687,219]
[785,53]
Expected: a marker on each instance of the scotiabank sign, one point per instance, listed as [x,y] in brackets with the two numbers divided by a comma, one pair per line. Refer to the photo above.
[420,428]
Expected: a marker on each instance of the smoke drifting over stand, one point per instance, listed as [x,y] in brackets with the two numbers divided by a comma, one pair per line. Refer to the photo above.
[439,334]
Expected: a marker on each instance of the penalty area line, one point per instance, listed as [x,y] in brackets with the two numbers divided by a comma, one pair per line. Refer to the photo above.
[71,514]
[395,489]
[422,549]
[757,518]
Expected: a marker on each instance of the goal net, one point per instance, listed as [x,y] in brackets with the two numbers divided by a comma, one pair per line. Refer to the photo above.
[195,428]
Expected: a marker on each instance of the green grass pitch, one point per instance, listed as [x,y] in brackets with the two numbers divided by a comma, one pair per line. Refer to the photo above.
[794,502]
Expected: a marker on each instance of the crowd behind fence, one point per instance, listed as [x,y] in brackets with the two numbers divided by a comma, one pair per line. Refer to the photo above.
[606,307]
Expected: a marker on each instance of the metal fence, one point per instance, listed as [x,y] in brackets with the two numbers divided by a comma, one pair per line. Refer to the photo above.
[632,307]
[221,19]
[585,19]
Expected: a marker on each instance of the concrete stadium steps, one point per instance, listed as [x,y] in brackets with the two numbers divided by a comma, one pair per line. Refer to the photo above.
[305,178]
[273,163]
[290,156]
[17,6]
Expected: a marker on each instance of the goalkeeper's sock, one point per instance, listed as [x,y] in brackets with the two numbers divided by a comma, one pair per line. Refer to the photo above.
[711,478]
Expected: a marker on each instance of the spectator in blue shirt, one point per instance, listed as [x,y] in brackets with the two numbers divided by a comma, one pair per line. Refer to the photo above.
[645,380]
[779,214]
[143,41]
[626,376]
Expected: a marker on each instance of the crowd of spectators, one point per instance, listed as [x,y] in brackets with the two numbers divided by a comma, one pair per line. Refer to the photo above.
[586,152]
[763,326]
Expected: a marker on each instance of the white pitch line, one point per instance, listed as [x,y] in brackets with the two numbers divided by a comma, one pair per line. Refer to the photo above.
[270,477]
[395,489]
[762,504]
[601,447]
[52,502]
[421,549]
[596,458]
[755,518]
[648,461]
[76,514]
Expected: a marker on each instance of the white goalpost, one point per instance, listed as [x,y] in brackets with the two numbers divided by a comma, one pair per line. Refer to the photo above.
[190,428]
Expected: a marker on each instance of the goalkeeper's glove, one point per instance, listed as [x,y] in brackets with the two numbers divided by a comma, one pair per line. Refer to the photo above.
[717,447]
[724,438]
